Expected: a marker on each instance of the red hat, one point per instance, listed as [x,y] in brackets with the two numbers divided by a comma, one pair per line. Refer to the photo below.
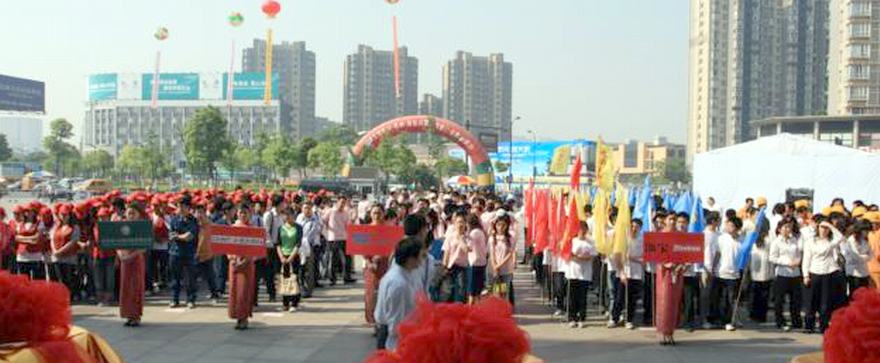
[2,213]
[103,212]
[18,209]
[65,209]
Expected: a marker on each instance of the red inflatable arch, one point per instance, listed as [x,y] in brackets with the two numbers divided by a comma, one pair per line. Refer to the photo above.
[420,123]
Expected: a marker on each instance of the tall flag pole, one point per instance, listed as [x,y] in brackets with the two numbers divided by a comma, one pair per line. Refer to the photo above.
[271,8]
[154,95]
[235,20]
[396,59]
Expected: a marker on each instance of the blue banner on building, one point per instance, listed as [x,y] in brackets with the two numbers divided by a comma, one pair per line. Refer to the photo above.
[529,157]
[250,86]
[22,95]
[172,86]
[103,87]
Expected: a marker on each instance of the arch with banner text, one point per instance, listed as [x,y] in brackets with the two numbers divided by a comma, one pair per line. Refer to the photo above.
[420,123]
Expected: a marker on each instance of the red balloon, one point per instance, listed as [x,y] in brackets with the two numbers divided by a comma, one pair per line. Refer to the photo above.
[271,8]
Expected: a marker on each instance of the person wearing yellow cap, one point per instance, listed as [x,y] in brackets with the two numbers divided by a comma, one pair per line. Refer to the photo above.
[762,202]
[874,245]
[856,252]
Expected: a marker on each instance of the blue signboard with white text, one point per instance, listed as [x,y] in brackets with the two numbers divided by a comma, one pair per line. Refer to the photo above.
[172,86]
[103,87]
[528,155]
[250,86]
[22,95]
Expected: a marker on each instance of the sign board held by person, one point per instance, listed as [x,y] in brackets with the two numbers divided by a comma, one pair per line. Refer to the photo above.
[239,241]
[674,247]
[367,240]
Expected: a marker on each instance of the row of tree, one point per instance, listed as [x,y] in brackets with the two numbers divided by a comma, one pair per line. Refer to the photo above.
[208,147]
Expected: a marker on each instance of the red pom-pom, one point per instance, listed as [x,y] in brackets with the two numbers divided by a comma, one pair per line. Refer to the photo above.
[32,311]
[854,333]
[382,356]
[452,333]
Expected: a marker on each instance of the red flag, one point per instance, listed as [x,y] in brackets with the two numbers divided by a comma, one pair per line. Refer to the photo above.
[560,223]
[541,221]
[551,222]
[529,211]
[571,229]
[576,173]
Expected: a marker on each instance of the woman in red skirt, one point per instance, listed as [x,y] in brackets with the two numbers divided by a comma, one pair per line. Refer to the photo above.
[132,271]
[375,268]
[669,291]
[241,277]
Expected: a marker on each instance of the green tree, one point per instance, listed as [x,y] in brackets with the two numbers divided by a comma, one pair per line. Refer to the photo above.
[672,171]
[97,163]
[339,134]
[303,146]
[5,151]
[421,176]
[449,166]
[327,158]
[242,158]
[155,163]
[128,163]
[392,157]
[57,146]
[206,141]
[279,155]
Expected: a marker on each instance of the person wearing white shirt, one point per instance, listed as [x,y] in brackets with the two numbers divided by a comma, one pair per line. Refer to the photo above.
[580,275]
[786,255]
[710,270]
[691,280]
[823,275]
[615,289]
[761,275]
[634,272]
[857,253]
[396,298]
[728,277]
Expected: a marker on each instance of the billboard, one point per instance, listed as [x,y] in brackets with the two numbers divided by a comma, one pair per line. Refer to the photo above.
[23,95]
[103,87]
[172,86]
[527,154]
[250,86]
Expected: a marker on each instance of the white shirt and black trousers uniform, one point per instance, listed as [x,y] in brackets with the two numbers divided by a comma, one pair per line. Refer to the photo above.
[785,252]
[761,277]
[728,277]
[579,274]
[634,270]
[857,253]
[827,281]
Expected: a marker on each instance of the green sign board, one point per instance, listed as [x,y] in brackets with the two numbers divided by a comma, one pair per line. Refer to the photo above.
[131,235]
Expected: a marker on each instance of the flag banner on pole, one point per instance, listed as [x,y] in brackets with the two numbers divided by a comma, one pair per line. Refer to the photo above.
[745,249]
[622,225]
[267,92]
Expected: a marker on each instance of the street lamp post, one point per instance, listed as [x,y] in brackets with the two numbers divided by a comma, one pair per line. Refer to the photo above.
[534,147]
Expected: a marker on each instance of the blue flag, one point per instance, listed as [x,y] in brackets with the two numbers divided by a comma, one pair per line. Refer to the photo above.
[683,203]
[745,249]
[698,218]
[667,200]
[642,201]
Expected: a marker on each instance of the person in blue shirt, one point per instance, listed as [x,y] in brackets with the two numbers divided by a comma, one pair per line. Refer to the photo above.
[183,235]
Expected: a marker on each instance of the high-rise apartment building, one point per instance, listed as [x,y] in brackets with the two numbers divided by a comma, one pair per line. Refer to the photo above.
[753,59]
[370,97]
[853,59]
[295,66]
[479,91]
[431,105]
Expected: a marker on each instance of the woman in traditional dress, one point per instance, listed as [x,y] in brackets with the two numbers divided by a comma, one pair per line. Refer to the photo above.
[132,271]
[241,277]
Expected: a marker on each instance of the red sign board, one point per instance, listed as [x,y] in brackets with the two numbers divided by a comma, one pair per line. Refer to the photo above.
[370,240]
[239,241]
[674,247]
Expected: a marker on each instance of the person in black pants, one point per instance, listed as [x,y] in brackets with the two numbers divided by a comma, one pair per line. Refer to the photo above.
[826,280]
[786,254]
[691,301]
[183,234]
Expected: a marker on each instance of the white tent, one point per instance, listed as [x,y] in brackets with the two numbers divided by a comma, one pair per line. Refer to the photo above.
[767,167]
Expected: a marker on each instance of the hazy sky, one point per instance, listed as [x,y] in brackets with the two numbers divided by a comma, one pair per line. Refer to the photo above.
[582,68]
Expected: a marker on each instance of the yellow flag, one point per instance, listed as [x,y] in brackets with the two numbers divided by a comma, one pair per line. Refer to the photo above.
[622,223]
[581,203]
[560,161]
[600,222]
[605,171]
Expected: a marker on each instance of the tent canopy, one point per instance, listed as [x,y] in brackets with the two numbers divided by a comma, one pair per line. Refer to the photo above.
[769,166]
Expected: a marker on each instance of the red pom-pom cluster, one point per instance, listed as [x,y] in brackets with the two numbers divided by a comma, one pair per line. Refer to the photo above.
[854,334]
[32,311]
[453,333]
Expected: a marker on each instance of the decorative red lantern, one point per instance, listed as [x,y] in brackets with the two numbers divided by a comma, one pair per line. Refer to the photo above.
[271,8]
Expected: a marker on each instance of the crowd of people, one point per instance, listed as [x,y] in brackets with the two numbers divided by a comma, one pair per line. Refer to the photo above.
[458,247]
[801,263]
[471,238]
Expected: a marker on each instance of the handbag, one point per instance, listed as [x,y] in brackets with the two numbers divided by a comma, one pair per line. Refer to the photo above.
[499,287]
[287,284]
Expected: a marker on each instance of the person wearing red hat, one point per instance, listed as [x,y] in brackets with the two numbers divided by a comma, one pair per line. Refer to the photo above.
[132,271]
[31,247]
[157,266]
[103,264]
[7,243]
[242,278]
[64,249]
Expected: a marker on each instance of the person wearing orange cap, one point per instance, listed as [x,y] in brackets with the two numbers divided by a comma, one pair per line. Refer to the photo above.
[7,243]
[31,247]
[132,272]
[64,249]
[103,264]
[242,278]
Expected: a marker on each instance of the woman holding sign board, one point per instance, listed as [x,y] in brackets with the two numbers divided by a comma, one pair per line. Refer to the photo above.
[132,271]
[241,277]
[375,268]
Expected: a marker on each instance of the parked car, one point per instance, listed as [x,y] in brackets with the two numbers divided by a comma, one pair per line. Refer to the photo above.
[94,186]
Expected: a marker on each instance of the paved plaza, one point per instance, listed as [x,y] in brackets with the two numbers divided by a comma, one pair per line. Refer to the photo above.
[331,329]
